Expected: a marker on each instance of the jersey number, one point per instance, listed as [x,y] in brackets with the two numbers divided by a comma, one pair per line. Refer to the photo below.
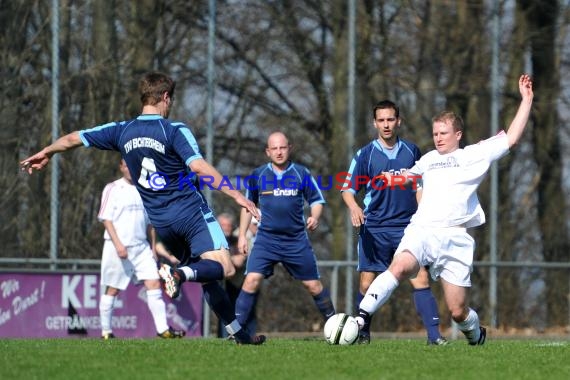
[148,168]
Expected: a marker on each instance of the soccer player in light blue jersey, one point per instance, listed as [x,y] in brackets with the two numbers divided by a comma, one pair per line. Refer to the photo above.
[387,211]
[164,159]
[281,189]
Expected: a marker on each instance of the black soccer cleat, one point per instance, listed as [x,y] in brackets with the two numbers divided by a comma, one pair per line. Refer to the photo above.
[242,337]
[172,334]
[363,338]
[482,337]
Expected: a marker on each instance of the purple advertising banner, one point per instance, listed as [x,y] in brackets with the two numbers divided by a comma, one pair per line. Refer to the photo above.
[67,305]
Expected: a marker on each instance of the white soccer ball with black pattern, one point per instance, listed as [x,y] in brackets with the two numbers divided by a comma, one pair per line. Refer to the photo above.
[341,329]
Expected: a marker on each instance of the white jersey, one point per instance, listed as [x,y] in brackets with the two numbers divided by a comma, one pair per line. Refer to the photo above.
[450,183]
[122,205]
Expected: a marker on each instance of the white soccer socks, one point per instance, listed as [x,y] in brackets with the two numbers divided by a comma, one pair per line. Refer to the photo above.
[470,327]
[157,308]
[106,304]
[378,293]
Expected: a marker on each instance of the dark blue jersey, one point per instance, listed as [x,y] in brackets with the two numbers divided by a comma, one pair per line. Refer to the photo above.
[157,152]
[281,197]
[384,206]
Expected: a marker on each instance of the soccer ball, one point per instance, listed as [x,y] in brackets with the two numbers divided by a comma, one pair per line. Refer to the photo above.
[341,329]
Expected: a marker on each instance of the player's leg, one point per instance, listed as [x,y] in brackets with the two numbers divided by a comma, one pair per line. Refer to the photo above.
[144,265]
[321,297]
[426,307]
[211,266]
[106,306]
[220,303]
[298,258]
[201,247]
[365,280]
[247,298]
[375,252]
[259,265]
[115,276]
[404,266]
[455,272]
[157,308]
[466,318]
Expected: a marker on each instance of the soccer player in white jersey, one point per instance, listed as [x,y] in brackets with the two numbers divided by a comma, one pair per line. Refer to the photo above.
[386,213]
[436,235]
[127,254]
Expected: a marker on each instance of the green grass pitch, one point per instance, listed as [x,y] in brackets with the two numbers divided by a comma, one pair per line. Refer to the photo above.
[281,358]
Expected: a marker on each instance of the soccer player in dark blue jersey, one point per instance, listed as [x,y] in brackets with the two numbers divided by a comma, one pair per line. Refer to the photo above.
[164,159]
[387,212]
[281,189]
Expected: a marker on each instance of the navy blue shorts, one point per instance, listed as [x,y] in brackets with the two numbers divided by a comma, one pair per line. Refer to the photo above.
[294,252]
[376,248]
[189,237]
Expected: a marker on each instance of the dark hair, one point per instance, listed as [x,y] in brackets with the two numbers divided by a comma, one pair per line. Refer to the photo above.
[384,104]
[153,85]
[449,116]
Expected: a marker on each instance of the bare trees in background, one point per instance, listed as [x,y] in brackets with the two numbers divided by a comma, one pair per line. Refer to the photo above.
[283,65]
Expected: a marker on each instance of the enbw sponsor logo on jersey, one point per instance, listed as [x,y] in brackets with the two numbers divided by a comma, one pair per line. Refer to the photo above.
[285,192]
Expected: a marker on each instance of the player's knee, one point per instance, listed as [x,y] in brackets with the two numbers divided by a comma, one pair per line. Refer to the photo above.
[366,279]
[458,313]
[110,291]
[229,270]
[364,285]
[363,288]
[419,283]
[313,287]
[251,284]
[404,266]
[152,284]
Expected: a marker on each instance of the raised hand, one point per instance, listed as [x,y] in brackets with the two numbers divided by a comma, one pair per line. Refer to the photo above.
[525,86]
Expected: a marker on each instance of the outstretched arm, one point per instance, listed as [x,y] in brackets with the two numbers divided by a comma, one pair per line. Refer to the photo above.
[204,169]
[39,160]
[518,124]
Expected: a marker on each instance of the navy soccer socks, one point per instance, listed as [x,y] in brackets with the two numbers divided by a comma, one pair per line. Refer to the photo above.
[324,304]
[245,304]
[428,312]
[203,271]
[219,301]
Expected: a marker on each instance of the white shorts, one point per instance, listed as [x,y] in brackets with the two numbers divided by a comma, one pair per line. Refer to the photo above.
[448,251]
[117,273]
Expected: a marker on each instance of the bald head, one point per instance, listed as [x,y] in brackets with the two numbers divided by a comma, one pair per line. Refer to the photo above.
[227,223]
[278,138]
[278,150]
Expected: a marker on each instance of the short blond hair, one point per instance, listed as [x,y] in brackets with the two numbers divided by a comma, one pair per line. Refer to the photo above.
[449,117]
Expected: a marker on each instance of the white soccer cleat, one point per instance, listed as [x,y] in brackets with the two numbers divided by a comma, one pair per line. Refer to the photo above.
[170,280]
